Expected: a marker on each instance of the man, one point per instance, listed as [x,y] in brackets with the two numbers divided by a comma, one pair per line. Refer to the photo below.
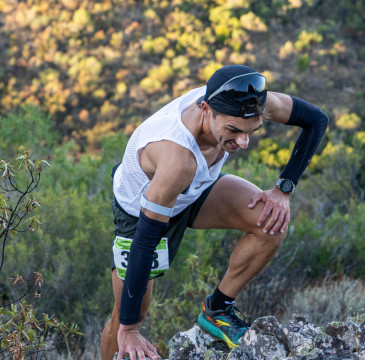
[170,178]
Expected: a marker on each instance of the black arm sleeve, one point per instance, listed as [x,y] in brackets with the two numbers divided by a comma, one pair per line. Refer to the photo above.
[314,122]
[147,236]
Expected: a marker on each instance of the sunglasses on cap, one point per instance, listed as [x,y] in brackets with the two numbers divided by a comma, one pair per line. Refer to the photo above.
[243,87]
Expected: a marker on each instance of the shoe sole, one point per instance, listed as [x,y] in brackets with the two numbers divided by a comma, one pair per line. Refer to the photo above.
[214,331]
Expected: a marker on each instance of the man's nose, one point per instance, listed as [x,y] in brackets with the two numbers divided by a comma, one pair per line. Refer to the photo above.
[242,141]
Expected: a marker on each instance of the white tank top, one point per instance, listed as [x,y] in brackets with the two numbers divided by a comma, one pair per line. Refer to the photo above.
[130,182]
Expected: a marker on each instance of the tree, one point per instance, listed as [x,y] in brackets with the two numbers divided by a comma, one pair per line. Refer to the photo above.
[22,333]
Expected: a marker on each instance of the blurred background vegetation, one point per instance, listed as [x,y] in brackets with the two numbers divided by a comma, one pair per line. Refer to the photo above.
[78,76]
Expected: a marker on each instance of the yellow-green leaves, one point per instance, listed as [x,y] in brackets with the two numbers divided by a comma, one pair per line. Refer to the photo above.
[348,121]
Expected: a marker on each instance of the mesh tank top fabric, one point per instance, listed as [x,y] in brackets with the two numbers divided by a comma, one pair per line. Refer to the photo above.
[130,182]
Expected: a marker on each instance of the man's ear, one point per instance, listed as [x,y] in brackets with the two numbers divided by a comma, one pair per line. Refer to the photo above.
[205,107]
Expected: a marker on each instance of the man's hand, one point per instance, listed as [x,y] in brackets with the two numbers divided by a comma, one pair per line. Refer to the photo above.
[132,342]
[276,204]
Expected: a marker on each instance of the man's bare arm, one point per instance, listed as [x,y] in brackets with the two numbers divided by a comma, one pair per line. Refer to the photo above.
[173,168]
[279,107]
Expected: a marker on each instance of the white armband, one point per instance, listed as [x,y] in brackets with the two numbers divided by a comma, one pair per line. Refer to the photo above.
[158,209]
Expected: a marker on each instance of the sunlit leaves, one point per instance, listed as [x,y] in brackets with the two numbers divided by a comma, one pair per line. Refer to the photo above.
[348,121]
[69,52]
[81,19]
[208,71]
[155,46]
[306,39]
[252,22]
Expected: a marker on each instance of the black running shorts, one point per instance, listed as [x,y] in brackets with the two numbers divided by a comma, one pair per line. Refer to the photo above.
[125,224]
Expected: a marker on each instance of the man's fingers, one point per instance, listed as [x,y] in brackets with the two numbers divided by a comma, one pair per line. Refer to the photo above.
[140,353]
[254,200]
[152,350]
[272,221]
[286,222]
[121,352]
[265,213]
[150,346]
[276,212]
[151,354]
[278,223]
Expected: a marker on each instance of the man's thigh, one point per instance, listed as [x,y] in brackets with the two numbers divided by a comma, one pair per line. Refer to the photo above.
[226,206]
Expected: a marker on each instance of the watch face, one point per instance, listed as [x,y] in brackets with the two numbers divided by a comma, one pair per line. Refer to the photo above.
[286,186]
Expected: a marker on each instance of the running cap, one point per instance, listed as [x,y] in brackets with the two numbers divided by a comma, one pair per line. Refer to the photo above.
[230,86]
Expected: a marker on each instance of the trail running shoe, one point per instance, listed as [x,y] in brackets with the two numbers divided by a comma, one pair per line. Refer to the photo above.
[223,324]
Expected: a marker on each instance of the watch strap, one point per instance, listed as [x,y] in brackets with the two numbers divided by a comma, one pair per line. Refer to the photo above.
[278,183]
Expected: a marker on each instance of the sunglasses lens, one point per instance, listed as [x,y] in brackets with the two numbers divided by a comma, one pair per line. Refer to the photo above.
[244,87]
[237,90]
[254,83]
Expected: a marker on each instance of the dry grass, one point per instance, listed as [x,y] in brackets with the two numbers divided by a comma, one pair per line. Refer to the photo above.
[329,301]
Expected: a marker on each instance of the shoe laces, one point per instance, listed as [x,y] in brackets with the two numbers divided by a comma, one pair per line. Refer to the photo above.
[231,311]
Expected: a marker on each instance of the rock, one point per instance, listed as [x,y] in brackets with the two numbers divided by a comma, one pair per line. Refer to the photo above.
[307,340]
[269,325]
[352,334]
[362,355]
[195,344]
[253,343]
[301,335]
[267,339]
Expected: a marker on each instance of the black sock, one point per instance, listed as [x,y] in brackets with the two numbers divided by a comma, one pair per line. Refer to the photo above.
[219,301]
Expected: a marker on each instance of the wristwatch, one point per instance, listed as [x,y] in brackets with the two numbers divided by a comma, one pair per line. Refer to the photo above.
[285,185]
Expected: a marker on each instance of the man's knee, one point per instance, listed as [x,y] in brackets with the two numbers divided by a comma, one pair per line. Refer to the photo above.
[268,241]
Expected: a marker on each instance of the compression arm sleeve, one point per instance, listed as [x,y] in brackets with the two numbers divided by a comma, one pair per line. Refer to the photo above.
[314,123]
[147,236]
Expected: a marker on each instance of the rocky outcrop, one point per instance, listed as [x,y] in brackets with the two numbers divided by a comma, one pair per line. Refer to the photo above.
[267,339]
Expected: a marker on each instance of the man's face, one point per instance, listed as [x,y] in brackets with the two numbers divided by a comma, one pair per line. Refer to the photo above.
[233,133]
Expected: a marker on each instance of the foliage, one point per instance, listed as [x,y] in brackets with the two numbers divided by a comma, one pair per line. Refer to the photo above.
[17,204]
[115,60]
[76,234]
[22,333]
[303,63]
[348,121]
[274,154]
[306,39]
[27,129]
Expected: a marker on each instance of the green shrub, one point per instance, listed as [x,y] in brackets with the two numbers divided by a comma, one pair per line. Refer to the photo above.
[155,45]
[252,22]
[81,19]
[303,63]
[348,121]
[23,333]
[180,64]
[209,70]
[306,39]
[27,129]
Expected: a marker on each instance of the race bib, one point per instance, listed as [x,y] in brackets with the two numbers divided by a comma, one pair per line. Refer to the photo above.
[121,250]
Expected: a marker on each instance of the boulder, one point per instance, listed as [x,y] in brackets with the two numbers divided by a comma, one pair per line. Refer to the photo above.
[267,339]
